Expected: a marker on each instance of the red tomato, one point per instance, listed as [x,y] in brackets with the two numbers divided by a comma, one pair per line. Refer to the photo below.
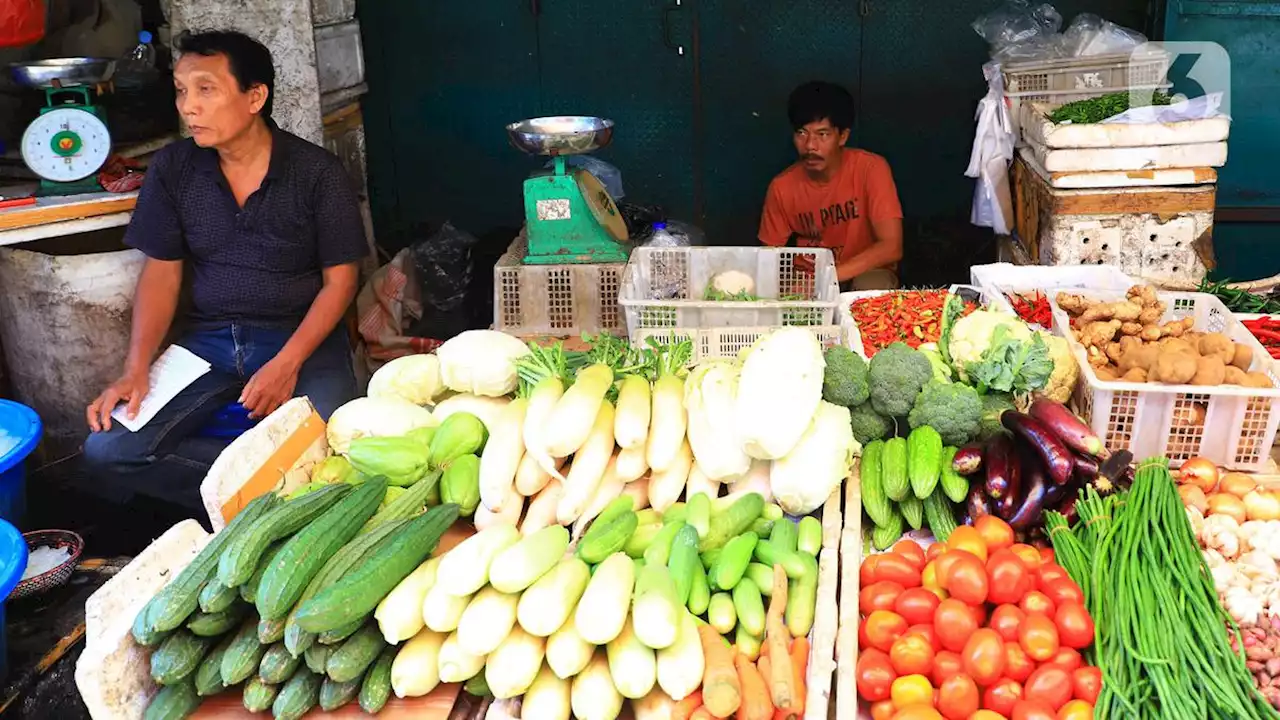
[863,640]
[958,697]
[932,552]
[917,605]
[929,579]
[967,538]
[1008,577]
[911,690]
[1063,590]
[946,664]
[912,654]
[1038,636]
[983,656]
[979,614]
[896,568]
[1002,696]
[918,711]
[1086,683]
[884,627]
[1075,627]
[995,532]
[882,710]
[1076,710]
[926,631]
[1017,664]
[942,566]
[1046,555]
[875,675]
[1049,573]
[867,571]
[1027,710]
[1048,685]
[911,550]
[878,596]
[954,623]
[1028,554]
[1066,658]
[1037,602]
[987,715]
[1006,620]
[966,580]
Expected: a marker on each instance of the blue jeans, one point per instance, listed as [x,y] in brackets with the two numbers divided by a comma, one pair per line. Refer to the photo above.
[164,459]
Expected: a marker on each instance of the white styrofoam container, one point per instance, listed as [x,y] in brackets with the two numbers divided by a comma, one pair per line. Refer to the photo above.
[1035,125]
[727,342]
[994,281]
[662,288]
[1151,419]
[1190,155]
[849,326]
[1093,179]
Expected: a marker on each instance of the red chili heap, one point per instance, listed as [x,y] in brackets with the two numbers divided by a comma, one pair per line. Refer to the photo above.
[910,316]
[1032,307]
[1267,330]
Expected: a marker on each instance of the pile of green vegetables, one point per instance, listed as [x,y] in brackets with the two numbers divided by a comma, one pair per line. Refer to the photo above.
[1238,300]
[1094,110]
[1160,642]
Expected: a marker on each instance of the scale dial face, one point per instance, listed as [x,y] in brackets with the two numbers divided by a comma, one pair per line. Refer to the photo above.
[66,145]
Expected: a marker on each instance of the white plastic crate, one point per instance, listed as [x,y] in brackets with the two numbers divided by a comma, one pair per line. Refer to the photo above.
[1070,79]
[853,336]
[716,343]
[1231,425]
[555,300]
[997,279]
[662,288]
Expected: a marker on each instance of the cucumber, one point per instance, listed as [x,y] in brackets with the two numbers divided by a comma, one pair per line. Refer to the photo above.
[305,553]
[721,613]
[709,558]
[699,514]
[893,469]
[241,557]
[477,686]
[219,623]
[604,539]
[769,555]
[924,460]
[732,522]
[259,695]
[217,597]
[677,513]
[173,702]
[277,665]
[955,485]
[809,535]
[376,687]
[874,499]
[354,656]
[317,657]
[334,694]
[762,576]
[772,511]
[884,536]
[338,635]
[176,601]
[659,551]
[643,538]
[762,527]
[407,505]
[912,511]
[208,678]
[940,514]
[747,644]
[244,654]
[178,657]
[749,606]
[249,590]
[784,535]
[359,592]
[297,696]
[802,599]
[699,592]
[270,631]
[683,561]
[733,561]
[460,484]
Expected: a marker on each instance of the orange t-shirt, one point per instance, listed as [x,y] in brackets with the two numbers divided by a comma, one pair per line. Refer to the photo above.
[835,215]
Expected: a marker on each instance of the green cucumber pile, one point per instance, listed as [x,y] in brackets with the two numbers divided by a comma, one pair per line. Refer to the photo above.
[910,483]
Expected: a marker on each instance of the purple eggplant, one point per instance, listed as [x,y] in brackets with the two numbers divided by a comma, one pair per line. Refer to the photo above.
[1057,459]
[1068,509]
[968,459]
[1002,468]
[1027,513]
[978,505]
[1086,468]
[1066,426]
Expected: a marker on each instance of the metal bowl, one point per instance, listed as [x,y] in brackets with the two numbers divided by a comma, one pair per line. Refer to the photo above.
[560,135]
[62,72]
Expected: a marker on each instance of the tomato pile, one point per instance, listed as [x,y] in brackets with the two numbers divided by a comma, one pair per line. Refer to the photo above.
[977,628]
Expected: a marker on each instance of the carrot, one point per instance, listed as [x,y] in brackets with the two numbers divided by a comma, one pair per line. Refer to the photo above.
[763,665]
[799,666]
[702,713]
[755,695]
[780,681]
[683,710]
[721,692]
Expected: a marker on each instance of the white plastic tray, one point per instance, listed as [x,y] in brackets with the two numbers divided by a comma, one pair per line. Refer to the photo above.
[853,338]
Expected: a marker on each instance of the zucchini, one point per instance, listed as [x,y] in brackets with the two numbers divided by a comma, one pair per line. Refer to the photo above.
[784,535]
[334,694]
[884,536]
[173,702]
[217,597]
[460,484]
[683,562]
[249,590]
[244,654]
[270,631]
[603,539]
[354,656]
[802,600]
[733,522]
[237,564]
[298,695]
[940,514]
[924,460]
[871,479]
[749,606]
[178,657]
[955,485]
[209,675]
[359,592]
[218,623]
[305,553]
[259,695]
[809,535]
[732,561]
[176,601]
[277,665]
[317,656]
[912,511]
[375,690]
[893,469]
[408,504]
[338,635]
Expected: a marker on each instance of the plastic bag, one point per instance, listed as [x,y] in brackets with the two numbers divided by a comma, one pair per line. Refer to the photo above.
[639,220]
[444,267]
[667,280]
[1089,34]
[993,145]
[1017,22]
[608,175]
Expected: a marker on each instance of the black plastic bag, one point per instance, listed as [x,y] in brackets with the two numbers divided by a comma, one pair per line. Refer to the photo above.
[445,267]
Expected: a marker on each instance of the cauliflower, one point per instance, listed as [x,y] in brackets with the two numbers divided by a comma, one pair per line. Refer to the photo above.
[844,380]
[1065,369]
[952,409]
[895,377]
[971,336]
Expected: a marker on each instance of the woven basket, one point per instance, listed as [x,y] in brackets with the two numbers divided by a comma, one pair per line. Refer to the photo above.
[56,576]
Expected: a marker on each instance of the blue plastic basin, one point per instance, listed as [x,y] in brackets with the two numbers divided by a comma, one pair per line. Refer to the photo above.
[20,430]
[13,561]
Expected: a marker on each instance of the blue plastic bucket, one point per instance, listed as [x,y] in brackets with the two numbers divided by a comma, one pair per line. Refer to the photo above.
[13,562]
[20,430]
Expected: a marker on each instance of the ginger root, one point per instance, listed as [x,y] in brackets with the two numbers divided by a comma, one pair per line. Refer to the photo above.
[1143,295]
[1209,371]
[1098,334]
[1071,303]
[1123,311]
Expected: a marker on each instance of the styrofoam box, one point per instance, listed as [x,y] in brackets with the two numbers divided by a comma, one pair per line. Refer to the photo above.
[849,327]
[662,288]
[727,342]
[1035,124]
[1211,154]
[997,279]
[1232,426]
[1092,179]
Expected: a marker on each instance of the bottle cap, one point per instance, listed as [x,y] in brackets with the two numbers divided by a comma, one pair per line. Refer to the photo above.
[144,37]
[659,226]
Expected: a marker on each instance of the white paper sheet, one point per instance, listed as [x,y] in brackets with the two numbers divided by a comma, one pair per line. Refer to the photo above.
[175,369]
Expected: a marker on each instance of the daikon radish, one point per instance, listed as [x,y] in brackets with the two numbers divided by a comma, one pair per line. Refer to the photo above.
[665,487]
[669,422]
[542,508]
[502,455]
[755,481]
[635,406]
[639,492]
[699,483]
[508,515]
[573,420]
[610,488]
[544,369]
[632,464]
[530,477]
[589,464]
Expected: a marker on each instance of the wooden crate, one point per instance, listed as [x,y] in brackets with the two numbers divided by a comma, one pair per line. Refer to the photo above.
[846,690]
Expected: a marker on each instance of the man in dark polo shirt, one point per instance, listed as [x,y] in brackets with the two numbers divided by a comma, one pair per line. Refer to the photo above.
[270,229]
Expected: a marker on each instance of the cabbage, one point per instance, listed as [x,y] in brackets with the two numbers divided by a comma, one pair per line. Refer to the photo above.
[709,401]
[778,391]
[804,479]
[374,417]
[481,362]
[415,378]
[486,408]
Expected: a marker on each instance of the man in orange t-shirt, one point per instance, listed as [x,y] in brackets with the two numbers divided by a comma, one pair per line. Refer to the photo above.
[835,197]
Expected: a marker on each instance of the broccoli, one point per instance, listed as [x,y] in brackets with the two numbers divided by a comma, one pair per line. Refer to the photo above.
[993,404]
[844,382]
[868,425]
[954,410]
[895,376]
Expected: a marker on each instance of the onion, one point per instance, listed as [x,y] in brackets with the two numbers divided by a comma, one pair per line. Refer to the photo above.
[1200,472]
[1261,506]
[1193,496]
[1237,484]
[1230,505]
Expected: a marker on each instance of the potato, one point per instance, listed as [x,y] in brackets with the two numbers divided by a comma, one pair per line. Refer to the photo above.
[1218,345]
[1175,368]
[1106,372]
[1209,371]
[1178,345]
[1234,376]
[1242,356]
[1258,380]
[1137,356]
[1135,374]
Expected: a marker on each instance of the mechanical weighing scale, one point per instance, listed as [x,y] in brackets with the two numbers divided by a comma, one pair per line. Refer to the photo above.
[68,142]
[569,216]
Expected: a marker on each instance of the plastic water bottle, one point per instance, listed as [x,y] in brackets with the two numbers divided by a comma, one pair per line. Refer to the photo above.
[137,70]
[143,55]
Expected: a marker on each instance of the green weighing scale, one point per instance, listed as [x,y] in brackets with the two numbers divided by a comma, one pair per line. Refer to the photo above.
[68,142]
[569,216]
